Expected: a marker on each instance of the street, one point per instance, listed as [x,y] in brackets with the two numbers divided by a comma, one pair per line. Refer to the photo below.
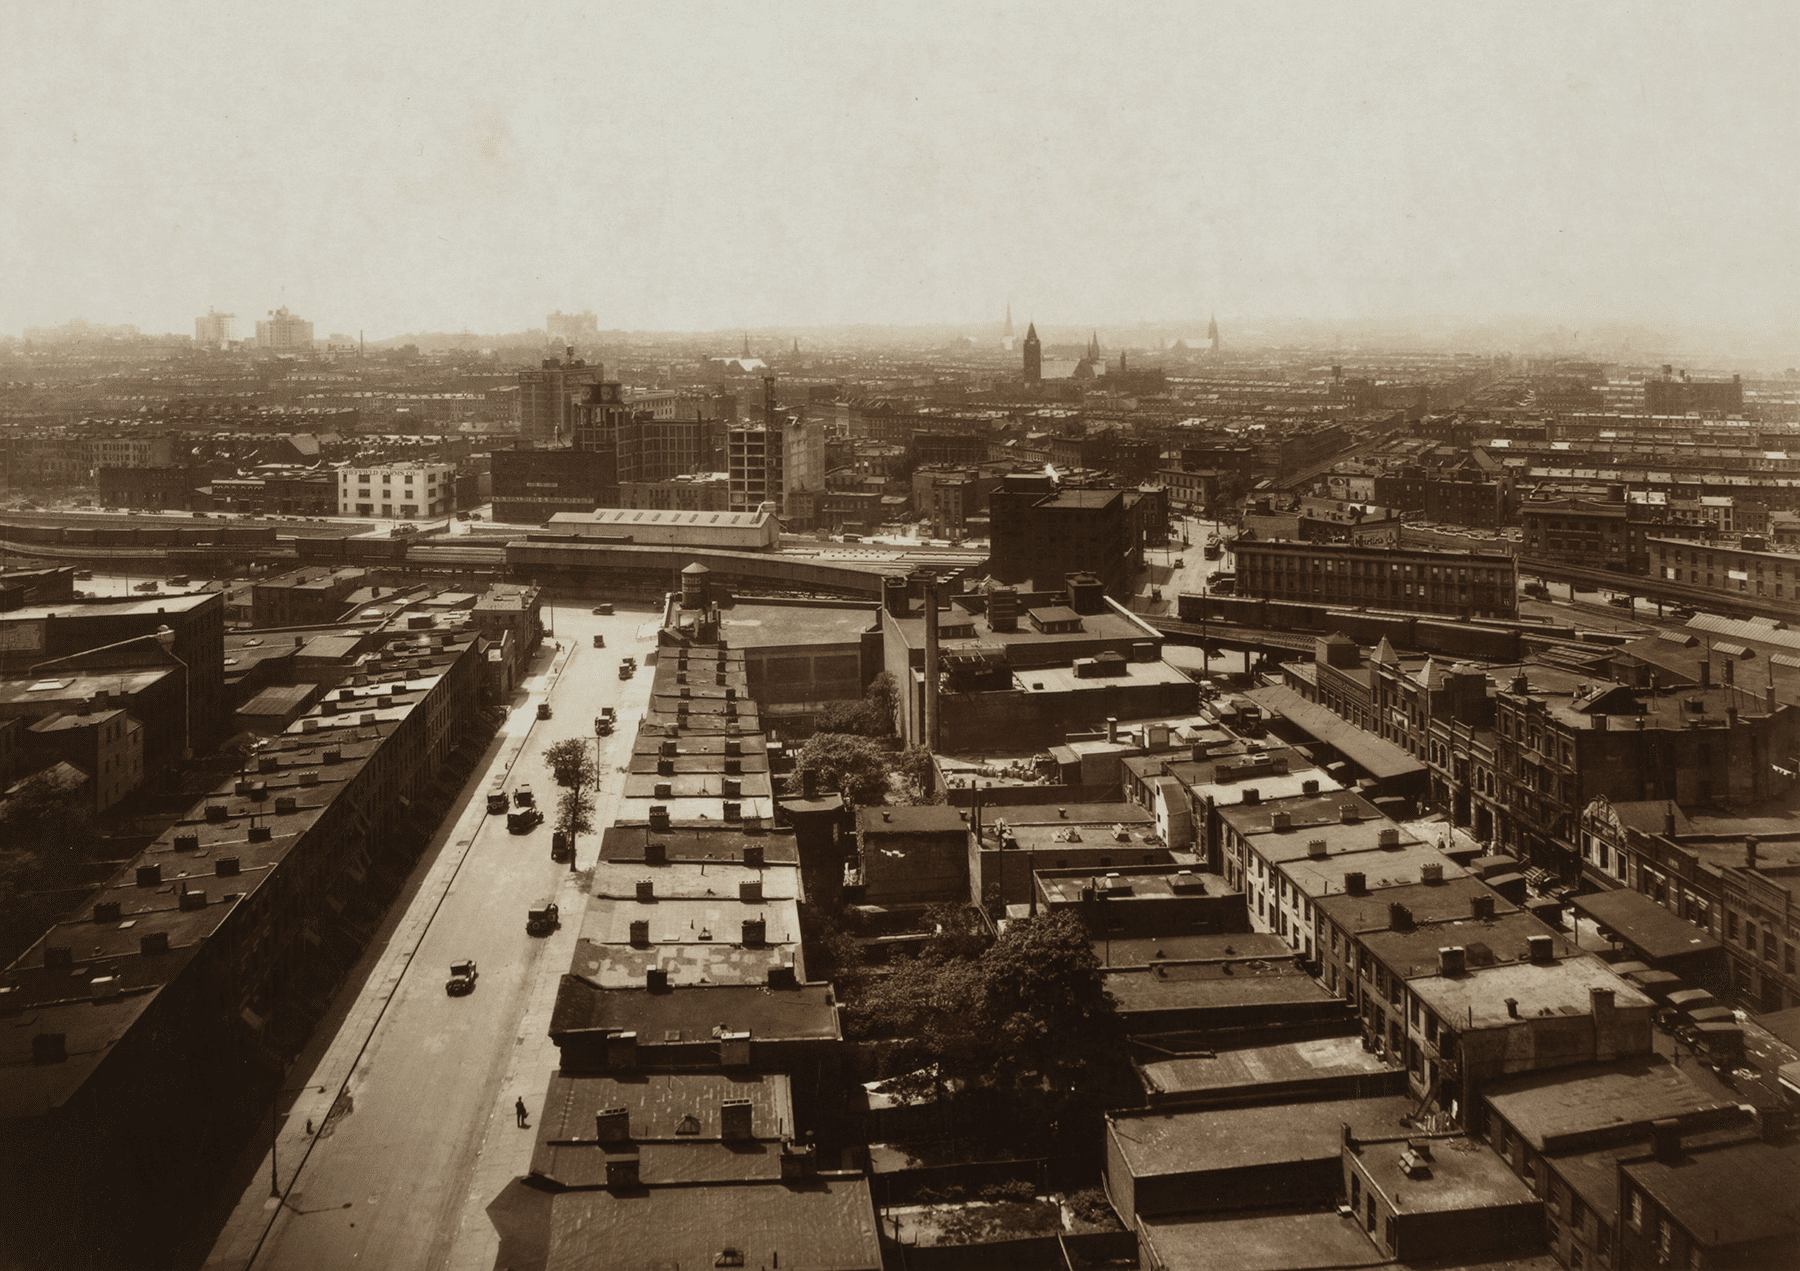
[414,1127]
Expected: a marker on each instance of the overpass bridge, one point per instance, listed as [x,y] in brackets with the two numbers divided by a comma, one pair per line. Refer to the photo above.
[1661,590]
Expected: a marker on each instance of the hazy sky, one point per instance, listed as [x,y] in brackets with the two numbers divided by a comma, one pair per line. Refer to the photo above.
[443,166]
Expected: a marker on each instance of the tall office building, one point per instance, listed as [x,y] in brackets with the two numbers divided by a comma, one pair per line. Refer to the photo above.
[282,332]
[549,397]
[213,329]
[570,327]
[1034,355]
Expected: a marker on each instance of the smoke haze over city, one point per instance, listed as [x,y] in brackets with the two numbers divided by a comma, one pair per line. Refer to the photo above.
[396,169]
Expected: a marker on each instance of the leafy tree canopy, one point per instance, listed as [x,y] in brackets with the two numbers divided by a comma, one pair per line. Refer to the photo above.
[1031,1011]
[858,766]
[572,763]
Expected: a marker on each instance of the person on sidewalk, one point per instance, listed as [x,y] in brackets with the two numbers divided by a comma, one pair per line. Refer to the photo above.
[519,1108]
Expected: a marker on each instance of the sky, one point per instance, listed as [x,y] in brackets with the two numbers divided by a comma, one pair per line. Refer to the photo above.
[400,167]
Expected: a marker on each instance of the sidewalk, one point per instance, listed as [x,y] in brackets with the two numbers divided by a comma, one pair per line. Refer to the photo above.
[331,1066]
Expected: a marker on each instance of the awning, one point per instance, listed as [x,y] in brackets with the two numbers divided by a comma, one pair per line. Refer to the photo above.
[1644,925]
[1378,758]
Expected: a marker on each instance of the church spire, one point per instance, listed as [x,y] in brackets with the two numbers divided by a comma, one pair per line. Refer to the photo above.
[1008,332]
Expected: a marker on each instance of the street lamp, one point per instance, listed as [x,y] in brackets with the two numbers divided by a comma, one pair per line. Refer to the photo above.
[166,638]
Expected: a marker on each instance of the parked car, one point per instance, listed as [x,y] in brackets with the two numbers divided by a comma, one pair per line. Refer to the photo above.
[541,922]
[462,978]
[1621,602]
[543,710]
[496,802]
[605,611]
[559,847]
[523,797]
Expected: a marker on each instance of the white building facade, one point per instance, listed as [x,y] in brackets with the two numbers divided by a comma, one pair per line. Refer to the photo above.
[399,491]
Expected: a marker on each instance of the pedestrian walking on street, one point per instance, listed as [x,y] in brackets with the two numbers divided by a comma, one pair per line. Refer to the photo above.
[519,1107]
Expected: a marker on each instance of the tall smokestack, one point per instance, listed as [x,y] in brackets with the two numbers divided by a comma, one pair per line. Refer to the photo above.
[931,661]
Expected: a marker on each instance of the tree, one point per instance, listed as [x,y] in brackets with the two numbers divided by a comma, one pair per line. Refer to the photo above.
[574,813]
[1031,1012]
[572,763]
[873,716]
[882,698]
[917,772]
[855,765]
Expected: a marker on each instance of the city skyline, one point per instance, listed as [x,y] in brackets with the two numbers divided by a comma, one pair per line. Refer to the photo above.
[733,168]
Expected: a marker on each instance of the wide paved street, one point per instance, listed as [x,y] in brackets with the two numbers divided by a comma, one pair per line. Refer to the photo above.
[414,1127]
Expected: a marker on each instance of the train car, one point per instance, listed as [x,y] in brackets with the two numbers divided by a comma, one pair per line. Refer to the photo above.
[32,533]
[1463,640]
[378,549]
[1372,628]
[320,549]
[1288,615]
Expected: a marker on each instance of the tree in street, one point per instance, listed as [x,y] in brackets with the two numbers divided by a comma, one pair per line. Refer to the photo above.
[573,767]
[572,763]
[574,814]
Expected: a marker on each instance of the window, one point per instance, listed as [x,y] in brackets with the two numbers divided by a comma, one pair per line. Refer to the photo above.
[1634,1213]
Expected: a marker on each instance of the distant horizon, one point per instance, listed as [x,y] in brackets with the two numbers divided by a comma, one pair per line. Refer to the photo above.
[1600,341]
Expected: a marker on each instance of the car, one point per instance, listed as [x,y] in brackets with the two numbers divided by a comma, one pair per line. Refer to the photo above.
[609,712]
[604,611]
[462,978]
[1619,602]
[599,640]
[543,711]
[559,847]
[541,922]
[523,797]
[523,820]
[1682,612]
[83,575]
[626,670]
[496,802]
